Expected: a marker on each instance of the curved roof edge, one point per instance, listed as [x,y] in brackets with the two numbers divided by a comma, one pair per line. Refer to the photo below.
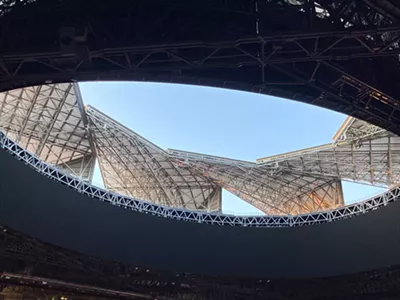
[55,213]
[196,216]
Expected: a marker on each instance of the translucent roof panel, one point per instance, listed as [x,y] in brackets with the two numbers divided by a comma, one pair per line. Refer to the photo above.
[51,122]
[133,166]
[361,153]
[47,121]
[271,189]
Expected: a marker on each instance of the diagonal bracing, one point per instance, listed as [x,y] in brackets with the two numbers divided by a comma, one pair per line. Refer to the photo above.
[361,152]
[133,166]
[51,122]
[46,121]
[273,191]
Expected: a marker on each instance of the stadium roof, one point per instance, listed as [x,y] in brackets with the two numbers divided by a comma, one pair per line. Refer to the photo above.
[272,190]
[353,129]
[52,122]
[361,152]
[47,121]
[133,166]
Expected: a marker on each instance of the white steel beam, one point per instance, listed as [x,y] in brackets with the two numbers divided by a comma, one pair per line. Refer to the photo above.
[46,120]
[195,216]
[361,153]
[270,189]
[141,169]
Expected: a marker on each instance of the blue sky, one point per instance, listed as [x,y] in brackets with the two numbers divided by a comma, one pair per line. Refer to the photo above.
[218,122]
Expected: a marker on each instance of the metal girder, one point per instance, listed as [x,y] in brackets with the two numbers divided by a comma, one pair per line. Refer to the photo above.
[52,118]
[61,132]
[46,121]
[385,8]
[353,129]
[82,167]
[321,53]
[196,216]
[293,49]
[61,101]
[273,191]
[133,166]
[361,153]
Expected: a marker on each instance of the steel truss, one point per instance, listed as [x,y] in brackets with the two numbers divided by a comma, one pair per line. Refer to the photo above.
[273,191]
[47,121]
[133,166]
[192,216]
[353,129]
[361,153]
[322,52]
[299,182]
[53,118]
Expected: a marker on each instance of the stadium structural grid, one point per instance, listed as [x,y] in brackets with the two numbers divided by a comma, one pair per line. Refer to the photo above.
[195,216]
[48,122]
[360,152]
[133,166]
[52,122]
[269,189]
[342,55]
[38,267]
[338,54]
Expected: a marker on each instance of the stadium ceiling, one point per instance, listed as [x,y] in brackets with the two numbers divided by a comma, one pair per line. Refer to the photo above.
[47,121]
[361,152]
[308,179]
[133,166]
[338,54]
[271,190]
[52,122]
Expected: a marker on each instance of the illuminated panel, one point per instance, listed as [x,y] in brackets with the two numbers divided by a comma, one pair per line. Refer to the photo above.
[133,166]
[361,152]
[46,120]
[270,189]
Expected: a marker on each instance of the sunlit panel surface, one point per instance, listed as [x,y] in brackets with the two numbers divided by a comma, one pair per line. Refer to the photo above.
[52,122]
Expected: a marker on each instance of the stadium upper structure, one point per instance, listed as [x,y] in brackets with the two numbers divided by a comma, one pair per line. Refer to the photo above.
[52,122]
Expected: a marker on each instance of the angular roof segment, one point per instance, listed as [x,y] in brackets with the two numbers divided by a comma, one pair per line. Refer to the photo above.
[361,152]
[132,165]
[270,189]
[52,122]
[354,129]
[47,121]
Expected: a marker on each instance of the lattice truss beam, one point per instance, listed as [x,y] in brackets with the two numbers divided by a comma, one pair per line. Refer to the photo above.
[133,166]
[361,152]
[47,121]
[50,122]
[295,182]
[307,50]
[196,216]
[273,191]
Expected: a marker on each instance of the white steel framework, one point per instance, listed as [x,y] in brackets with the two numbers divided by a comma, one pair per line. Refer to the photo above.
[51,122]
[194,216]
[273,191]
[361,152]
[47,121]
[353,129]
[133,166]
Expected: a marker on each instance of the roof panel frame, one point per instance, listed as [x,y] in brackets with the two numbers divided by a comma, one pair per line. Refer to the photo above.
[33,120]
[154,162]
